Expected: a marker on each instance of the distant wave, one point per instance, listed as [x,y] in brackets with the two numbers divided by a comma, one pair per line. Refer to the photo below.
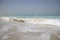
[35,20]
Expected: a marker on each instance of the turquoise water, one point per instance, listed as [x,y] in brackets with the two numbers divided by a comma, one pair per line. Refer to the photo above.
[52,17]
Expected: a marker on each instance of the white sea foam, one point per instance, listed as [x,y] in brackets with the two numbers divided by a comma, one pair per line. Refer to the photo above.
[35,20]
[44,21]
[5,18]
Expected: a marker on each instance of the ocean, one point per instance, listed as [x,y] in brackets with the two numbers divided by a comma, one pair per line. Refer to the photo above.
[30,28]
[51,17]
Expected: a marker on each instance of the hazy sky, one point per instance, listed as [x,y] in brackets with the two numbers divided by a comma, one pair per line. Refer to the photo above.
[29,7]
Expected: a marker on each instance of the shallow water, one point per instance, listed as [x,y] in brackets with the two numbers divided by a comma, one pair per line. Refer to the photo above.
[10,30]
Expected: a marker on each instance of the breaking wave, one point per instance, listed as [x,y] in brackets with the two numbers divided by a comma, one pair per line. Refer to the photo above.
[34,20]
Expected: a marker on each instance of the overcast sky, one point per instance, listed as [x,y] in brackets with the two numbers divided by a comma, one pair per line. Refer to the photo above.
[29,7]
